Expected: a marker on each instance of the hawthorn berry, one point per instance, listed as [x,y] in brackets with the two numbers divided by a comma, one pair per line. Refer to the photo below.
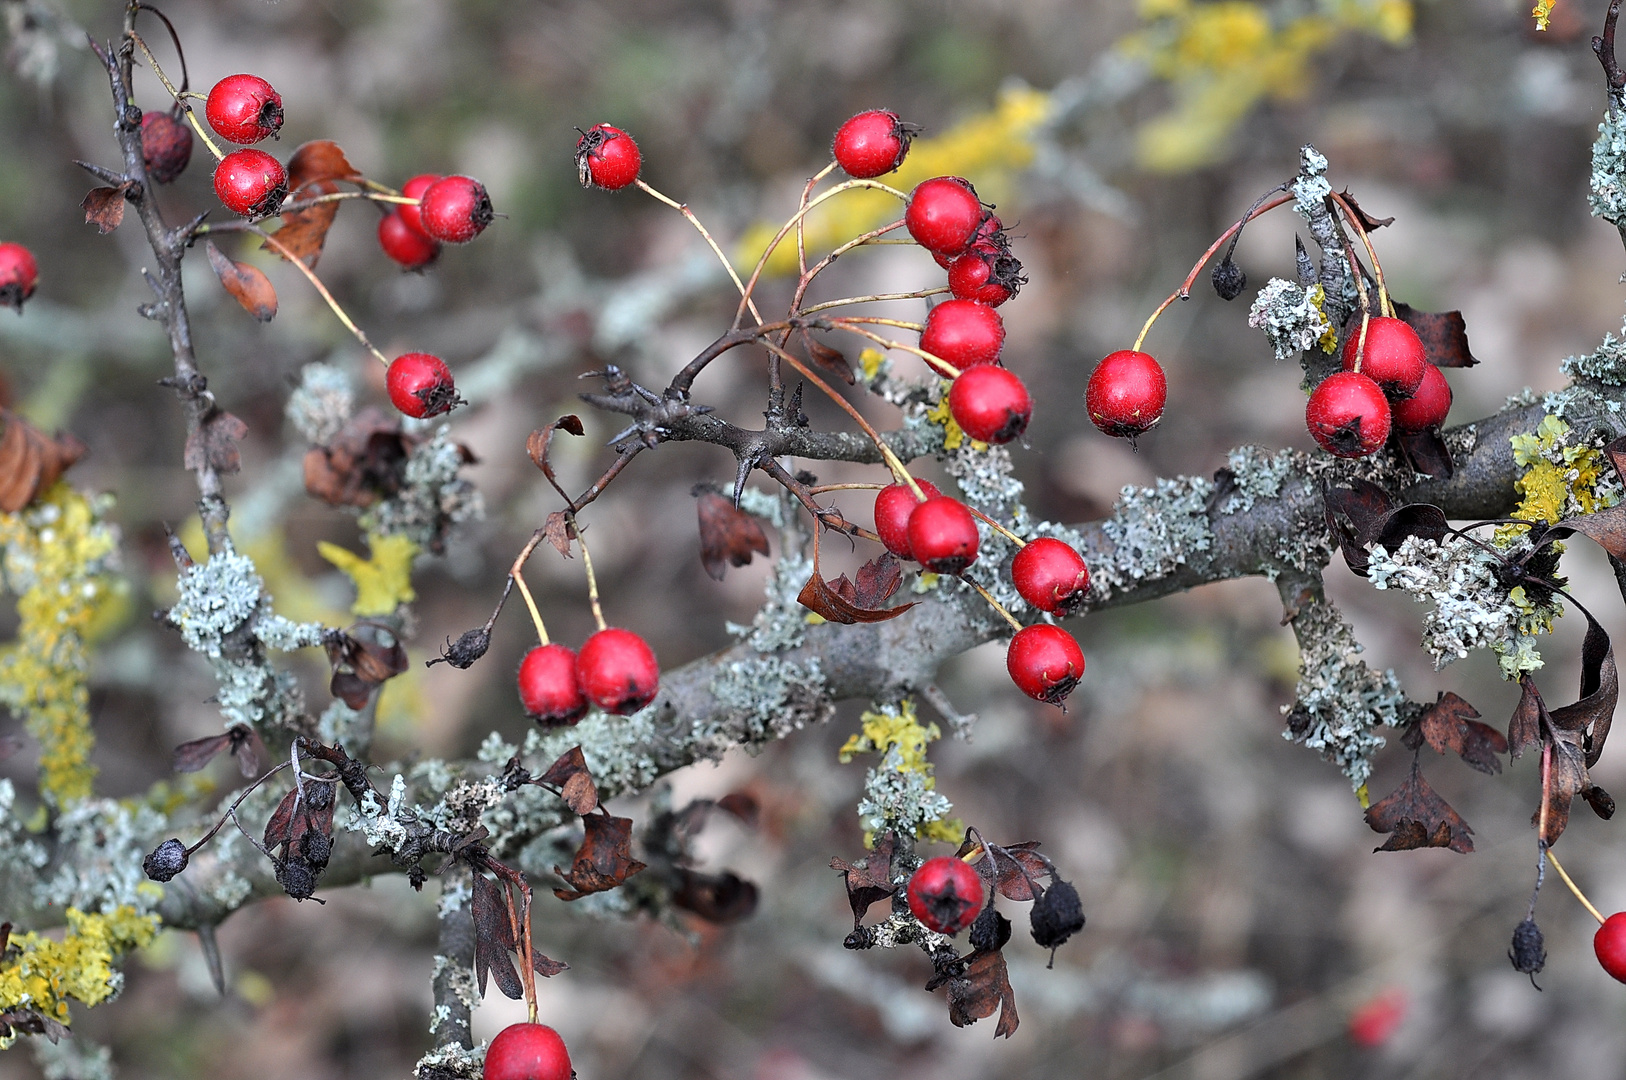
[404,244]
[1348,415]
[943,535]
[1427,407]
[244,109]
[893,506]
[962,334]
[1044,662]
[527,1052]
[990,231]
[548,687]
[943,214]
[872,144]
[607,157]
[412,213]
[421,385]
[251,182]
[19,273]
[1051,576]
[1056,916]
[1394,356]
[945,894]
[455,209]
[166,146]
[618,671]
[1610,945]
[1126,393]
[990,404]
[987,273]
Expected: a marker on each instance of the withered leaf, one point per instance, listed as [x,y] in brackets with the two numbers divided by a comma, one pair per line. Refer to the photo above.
[247,284]
[829,360]
[1602,803]
[1600,691]
[743,805]
[31,461]
[728,537]
[1444,335]
[1616,453]
[540,439]
[1421,520]
[319,160]
[1415,816]
[104,207]
[717,898]
[213,443]
[1012,870]
[545,967]
[1354,514]
[363,657]
[603,861]
[304,232]
[1368,222]
[285,825]
[247,748]
[1529,717]
[985,986]
[194,755]
[818,596]
[1427,453]
[493,939]
[30,1021]
[557,532]
[871,880]
[1606,528]
[1452,724]
[364,462]
[569,774]
[1568,779]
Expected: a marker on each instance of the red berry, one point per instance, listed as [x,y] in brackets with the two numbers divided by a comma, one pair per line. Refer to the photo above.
[963,334]
[19,273]
[1051,576]
[618,671]
[990,404]
[1427,407]
[1348,416]
[872,144]
[1126,394]
[943,215]
[411,213]
[244,109]
[1045,662]
[527,1052]
[945,894]
[1375,1022]
[943,535]
[166,146]
[455,209]
[987,273]
[251,182]
[406,245]
[421,385]
[990,231]
[893,505]
[606,157]
[1394,357]
[548,687]
[1610,945]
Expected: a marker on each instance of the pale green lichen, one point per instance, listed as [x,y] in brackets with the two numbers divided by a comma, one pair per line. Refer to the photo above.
[1340,702]
[781,622]
[1291,317]
[97,861]
[73,1058]
[451,1062]
[1607,196]
[1155,530]
[1606,365]
[762,699]
[322,403]
[900,790]
[1259,474]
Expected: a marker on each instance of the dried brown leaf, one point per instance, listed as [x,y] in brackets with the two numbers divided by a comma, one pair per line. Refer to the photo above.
[317,161]
[1600,691]
[1427,453]
[728,537]
[1452,724]
[829,360]
[213,443]
[493,938]
[540,439]
[1444,335]
[363,658]
[31,461]
[570,775]
[1415,816]
[285,825]
[718,898]
[104,207]
[742,805]
[603,861]
[1368,222]
[1568,779]
[557,532]
[364,462]
[985,986]
[303,233]
[1529,717]
[194,755]
[247,284]
[819,597]
[871,880]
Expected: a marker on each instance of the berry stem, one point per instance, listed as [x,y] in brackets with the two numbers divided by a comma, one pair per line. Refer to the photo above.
[822,488]
[1579,895]
[997,527]
[1354,219]
[874,320]
[921,295]
[282,249]
[807,193]
[530,603]
[592,579]
[874,236]
[997,606]
[683,208]
[844,324]
[191,117]
[186,78]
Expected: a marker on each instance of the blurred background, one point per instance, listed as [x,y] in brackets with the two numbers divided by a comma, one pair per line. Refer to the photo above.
[1238,919]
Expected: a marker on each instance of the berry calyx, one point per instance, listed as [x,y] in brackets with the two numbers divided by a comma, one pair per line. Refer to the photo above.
[166,146]
[421,385]
[987,273]
[455,209]
[1394,356]
[244,109]
[1427,407]
[990,404]
[945,894]
[527,1052]
[963,334]
[943,215]
[618,671]
[19,274]
[1051,576]
[943,535]
[1044,662]
[548,687]
[251,182]
[1610,945]
[404,244]
[893,506]
[1126,394]
[412,213]
[1347,415]
[872,144]
[606,157]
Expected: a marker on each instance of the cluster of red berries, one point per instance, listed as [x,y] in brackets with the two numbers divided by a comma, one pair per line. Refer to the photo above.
[19,274]
[615,670]
[1386,385]
[527,1052]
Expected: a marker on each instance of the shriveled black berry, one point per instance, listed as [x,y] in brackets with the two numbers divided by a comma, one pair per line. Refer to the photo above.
[1229,280]
[166,860]
[318,796]
[1056,916]
[1529,954]
[463,652]
[991,931]
[416,877]
[316,847]
[296,877]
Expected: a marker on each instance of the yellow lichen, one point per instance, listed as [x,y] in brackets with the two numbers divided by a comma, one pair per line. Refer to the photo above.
[384,581]
[870,361]
[1542,12]
[953,436]
[1559,480]
[44,974]
[881,732]
[1329,337]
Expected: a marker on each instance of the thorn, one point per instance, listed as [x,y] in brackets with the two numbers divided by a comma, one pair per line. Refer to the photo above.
[211,955]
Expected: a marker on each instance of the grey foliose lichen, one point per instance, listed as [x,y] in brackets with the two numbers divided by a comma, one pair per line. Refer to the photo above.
[451,1062]
[96,864]
[1259,474]
[1311,188]
[73,1058]
[1154,530]
[781,622]
[1340,701]
[1607,197]
[1606,365]
[432,499]
[899,798]
[763,699]
[387,824]
[1290,316]
[322,403]
[21,857]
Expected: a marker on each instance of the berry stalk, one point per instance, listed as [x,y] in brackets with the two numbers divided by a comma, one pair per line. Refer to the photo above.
[592,579]
[683,208]
[1579,895]
[282,249]
[178,95]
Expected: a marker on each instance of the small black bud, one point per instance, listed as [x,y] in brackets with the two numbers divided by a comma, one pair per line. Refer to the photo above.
[296,877]
[316,847]
[1529,955]
[463,652]
[1229,280]
[416,877]
[1056,916]
[991,931]
[166,860]
[861,938]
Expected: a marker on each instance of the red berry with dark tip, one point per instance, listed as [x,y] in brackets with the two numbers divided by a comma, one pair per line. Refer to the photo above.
[606,157]
[987,273]
[872,144]
[943,535]
[1427,407]
[618,671]
[166,146]
[945,894]
[1610,945]
[1394,356]
[1045,662]
[19,274]
[455,209]
[1051,576]
[990,404]
[244,109]
[963,334]
[893,506]
[404,244]
[527,1052]
[943,215]
[421,385]
[548,687]
[1126,393]
[1347,415]
[412,213]
[990,231]
[251,182]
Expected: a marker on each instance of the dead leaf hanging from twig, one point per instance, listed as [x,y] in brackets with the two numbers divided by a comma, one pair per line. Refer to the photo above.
[247,284]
